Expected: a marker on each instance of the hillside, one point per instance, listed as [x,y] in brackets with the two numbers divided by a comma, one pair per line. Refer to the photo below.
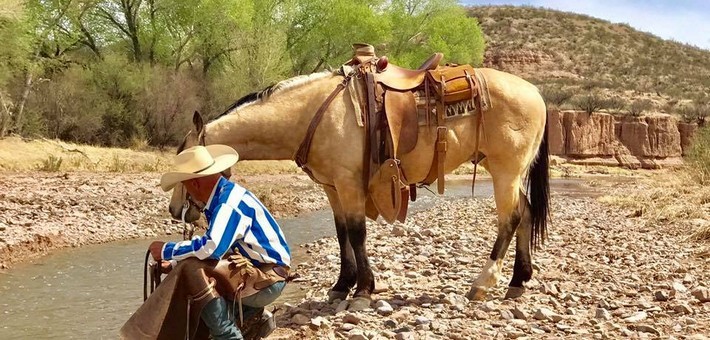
[575,51]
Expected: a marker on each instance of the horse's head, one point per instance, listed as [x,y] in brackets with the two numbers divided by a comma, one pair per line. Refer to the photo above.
[181,206]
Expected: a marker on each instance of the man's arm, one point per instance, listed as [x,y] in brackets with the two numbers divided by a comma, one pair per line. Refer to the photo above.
[228,225]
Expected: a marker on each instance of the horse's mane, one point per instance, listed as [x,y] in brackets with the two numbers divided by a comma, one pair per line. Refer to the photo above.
[263,95]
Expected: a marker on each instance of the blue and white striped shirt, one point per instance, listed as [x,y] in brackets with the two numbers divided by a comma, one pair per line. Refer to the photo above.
[237,220]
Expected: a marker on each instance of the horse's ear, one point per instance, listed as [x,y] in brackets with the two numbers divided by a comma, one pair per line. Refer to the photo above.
[199,123]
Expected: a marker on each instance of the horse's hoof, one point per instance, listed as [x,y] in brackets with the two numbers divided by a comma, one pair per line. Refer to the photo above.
[359,303]
[514,292]
[477,293]
[336,295]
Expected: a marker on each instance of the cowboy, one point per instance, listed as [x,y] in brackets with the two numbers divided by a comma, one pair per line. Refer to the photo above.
[240,229]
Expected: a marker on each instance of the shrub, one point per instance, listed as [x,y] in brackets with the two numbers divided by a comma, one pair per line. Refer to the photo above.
[590,102]
[616,104]
[640,106]
[555,96]
[51,164]
[698,157]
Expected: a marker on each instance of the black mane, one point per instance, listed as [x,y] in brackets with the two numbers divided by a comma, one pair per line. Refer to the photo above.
[249,98]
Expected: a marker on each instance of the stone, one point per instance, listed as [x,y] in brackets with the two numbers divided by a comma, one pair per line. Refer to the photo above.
[701,293]
[352,318]
[383,308]
[300,319]
[679,287]
[683,309]
[543,314]
[506,314]
[637,317]
[602,314]
[357,336]
[520,313]
[398,231]
[389,323]
[489,307]
[421,320]
[405,336]
[318,322]
[646,329]
[332,258]
[660,295]
[347,327]
[381,287]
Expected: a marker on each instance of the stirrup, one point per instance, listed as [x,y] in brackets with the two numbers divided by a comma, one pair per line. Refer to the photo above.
[267,324]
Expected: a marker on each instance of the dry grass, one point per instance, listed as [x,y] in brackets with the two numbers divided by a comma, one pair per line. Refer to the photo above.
[52,155]
[672,197]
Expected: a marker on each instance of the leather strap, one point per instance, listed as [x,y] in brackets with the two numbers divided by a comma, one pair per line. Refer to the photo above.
[301,157]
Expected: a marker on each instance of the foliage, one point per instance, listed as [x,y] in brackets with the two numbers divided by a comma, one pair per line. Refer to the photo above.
[555,96]
[616,104]
[51,164]
[640,106]
[698,157]
[590,102]
[113,72]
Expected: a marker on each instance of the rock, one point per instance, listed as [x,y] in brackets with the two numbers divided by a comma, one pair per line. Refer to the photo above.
[318,322]
[646,328]
[411,274]
[352,318]
[357,336]
[506,314]
[520,314]
[381,287]
[489,307]
[332,258]
[421,320]
[660,295]
[701,293]
[678,287]
[347,327]
[398,231]
[543,314]
[683,309]
[389,323]
[602,314]
[405,336]
[603,304]
[383,308]
[636,317]
[300,319]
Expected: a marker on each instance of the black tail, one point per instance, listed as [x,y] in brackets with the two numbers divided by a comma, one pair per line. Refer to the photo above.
[539,193]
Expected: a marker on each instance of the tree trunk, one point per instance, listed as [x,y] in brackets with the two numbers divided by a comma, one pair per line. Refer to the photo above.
[23,100]
[5,116]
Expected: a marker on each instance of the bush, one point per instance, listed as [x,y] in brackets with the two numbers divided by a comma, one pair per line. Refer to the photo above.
[590,103]
[698,157]
[555,96]
[640,106]
[616,104]
[51,164]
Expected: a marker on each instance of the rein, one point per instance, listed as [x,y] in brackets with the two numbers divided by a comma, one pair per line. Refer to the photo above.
[301,157]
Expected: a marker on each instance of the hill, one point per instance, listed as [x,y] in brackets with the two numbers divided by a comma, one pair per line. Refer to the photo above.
[579,52]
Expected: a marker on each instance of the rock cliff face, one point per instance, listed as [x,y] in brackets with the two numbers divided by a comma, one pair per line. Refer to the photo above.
[601,139]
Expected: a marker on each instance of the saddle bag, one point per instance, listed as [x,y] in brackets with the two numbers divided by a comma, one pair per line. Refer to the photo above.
[453,84]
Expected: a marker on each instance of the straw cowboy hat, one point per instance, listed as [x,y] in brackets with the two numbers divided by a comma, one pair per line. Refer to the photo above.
[199,161]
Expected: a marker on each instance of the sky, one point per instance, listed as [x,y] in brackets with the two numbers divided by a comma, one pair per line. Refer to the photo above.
[686,21]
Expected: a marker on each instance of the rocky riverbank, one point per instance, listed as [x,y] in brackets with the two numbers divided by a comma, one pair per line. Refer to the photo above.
[41,211]
[603,273]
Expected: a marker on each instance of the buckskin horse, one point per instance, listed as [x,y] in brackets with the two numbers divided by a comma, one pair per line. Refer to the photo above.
[511,144]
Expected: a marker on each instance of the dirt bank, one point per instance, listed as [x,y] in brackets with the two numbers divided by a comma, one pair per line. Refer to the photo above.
[605,272]
[41,211]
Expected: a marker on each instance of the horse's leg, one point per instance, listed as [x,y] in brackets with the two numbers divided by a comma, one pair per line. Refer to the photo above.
[352,201]
[348,268]
[506,185]
[522,269]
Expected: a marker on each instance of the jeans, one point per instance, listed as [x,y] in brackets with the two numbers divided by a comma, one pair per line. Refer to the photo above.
[216,313]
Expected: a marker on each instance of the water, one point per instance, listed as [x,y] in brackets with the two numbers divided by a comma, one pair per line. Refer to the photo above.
[88,293]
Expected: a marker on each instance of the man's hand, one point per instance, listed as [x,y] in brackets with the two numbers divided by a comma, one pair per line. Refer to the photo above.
[156,250]
[165,267]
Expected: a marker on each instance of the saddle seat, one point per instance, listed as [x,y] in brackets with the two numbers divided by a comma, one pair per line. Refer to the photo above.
[403,79]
